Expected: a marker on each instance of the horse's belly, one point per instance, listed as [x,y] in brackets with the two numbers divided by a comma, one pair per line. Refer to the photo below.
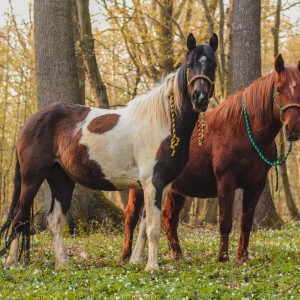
[124,183]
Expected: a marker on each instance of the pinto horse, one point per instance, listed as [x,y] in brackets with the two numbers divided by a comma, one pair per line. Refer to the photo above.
[144,145]
[228,159]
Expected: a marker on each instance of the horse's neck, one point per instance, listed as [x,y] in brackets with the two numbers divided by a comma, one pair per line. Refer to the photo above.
[266,125]
[185,121]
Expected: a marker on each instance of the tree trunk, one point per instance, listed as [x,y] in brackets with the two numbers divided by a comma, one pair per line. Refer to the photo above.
[208,211]
[229,84]
[98,88]
[57,81]
[165,34]
[265,213]
[284,174]
[185,212]
[246,62]
[285,182]
[56,71]
[246,58]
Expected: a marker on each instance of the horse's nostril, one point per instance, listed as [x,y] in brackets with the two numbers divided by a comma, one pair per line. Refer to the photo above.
[203,95]
[196,95]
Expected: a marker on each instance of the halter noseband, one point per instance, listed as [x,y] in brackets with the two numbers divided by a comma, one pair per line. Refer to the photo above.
[286,107]
[192,80]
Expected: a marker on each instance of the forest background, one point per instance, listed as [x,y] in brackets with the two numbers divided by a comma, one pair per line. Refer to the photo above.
[136,44]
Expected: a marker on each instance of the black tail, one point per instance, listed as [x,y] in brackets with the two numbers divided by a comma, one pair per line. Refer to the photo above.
[5,228]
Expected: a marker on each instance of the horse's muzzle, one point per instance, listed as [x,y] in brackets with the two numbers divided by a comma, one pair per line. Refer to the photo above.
[291,136]
[200,101]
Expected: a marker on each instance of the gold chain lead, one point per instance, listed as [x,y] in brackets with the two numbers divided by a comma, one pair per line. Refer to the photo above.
[201,128]
[175,139]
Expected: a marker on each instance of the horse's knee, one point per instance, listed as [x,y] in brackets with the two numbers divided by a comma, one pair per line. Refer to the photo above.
[225,226]
[246,227]
[153,233]
[55,219]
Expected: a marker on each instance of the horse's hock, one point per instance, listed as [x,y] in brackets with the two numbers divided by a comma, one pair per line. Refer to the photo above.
[94,209]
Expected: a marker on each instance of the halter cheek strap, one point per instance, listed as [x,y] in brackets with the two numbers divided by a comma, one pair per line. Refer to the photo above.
[192,80]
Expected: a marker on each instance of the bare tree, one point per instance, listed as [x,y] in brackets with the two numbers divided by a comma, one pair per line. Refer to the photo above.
[88,49]
[246,61]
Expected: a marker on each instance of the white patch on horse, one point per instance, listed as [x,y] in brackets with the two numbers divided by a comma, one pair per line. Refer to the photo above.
[133,148]
[139,249]
[12,258]
[138,252]
[202,59]
[55,222]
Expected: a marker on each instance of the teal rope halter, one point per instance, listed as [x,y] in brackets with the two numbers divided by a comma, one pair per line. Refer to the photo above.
[277,162]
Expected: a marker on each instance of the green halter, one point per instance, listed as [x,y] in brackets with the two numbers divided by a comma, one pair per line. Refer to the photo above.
[277,162]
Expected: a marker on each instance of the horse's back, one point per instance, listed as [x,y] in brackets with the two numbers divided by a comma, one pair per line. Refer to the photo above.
[45,123]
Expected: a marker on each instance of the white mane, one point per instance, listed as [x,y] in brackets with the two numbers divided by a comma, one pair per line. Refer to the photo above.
[155,104]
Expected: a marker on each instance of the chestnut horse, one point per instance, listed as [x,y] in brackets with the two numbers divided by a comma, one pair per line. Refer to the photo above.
[239,140]
[144,145]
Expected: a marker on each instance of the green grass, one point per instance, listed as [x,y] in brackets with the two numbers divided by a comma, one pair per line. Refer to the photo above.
[95,271]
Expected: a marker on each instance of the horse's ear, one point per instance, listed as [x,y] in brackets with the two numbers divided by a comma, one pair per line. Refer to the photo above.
[214,42]
[191,42]
[279,64]
[298,65]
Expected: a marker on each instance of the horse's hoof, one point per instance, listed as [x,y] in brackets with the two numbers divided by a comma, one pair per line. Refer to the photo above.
[136,260]
[223,259]
[11,262]
[151,267]
[125,257]
[176,255]
[243,258]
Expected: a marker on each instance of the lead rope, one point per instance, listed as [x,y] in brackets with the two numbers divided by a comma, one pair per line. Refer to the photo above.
[201,128]
[277,162]
[175,139]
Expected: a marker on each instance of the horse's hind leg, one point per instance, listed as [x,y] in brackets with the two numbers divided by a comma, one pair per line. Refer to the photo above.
[174,204]
[135,202]
[251,197]
[138,251]
[21,221]
[226,190]
[62,189]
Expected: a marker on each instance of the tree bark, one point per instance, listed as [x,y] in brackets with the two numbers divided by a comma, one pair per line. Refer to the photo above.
[208,211]
[98,88]
[246,62]
[56,71]
[165,33]
[246,58]
[229,84]
[57,81]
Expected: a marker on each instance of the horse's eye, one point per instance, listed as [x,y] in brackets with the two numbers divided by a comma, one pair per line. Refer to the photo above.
[278,90]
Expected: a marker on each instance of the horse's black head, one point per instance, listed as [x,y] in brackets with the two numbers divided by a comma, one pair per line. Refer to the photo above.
[200,66]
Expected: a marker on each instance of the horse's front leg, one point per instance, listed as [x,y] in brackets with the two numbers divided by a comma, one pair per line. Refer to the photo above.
[251,197]
[153,196]
[135,202]
[174,204]
[138,252]
[226,190]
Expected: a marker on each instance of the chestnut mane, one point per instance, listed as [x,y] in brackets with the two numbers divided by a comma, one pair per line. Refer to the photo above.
[258,98]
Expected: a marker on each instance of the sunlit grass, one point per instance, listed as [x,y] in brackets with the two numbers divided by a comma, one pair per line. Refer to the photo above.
[95,271]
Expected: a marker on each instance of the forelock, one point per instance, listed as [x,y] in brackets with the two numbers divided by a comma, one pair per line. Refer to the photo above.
[205,50]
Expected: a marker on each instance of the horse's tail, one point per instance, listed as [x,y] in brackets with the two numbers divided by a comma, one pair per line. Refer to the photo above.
[5,228]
